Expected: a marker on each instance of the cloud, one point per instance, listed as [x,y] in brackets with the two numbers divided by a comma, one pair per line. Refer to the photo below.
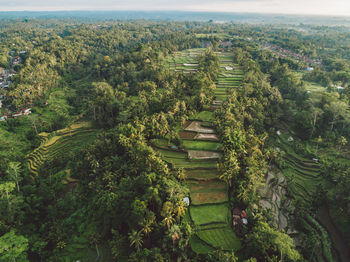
[335,7]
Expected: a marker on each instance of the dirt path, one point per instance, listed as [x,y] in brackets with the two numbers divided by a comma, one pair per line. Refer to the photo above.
[339,243]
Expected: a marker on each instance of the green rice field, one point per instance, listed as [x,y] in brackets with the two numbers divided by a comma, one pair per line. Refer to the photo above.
[59,143]
[209,210]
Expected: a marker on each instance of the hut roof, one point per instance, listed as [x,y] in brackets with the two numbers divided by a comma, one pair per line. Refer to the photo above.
[236,211]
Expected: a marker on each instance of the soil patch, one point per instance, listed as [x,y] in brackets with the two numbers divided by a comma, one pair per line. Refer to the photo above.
[202,174]
[266,204]
[283,223]
[199,154]
[186,124]
[196,126]
[206,198]
[212,137]
[187,135]
[208,186]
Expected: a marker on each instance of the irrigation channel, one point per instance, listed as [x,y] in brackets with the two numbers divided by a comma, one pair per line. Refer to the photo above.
[198,155]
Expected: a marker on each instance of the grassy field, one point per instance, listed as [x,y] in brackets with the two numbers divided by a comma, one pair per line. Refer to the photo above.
[205,214]
[199,246]
[220,238]
[203,116]
[316,91]
[201,145]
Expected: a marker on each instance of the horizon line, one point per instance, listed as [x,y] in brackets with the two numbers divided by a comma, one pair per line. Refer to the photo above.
[192,11]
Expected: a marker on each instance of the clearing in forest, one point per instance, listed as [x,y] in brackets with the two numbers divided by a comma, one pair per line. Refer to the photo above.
[60,143]
[198,153]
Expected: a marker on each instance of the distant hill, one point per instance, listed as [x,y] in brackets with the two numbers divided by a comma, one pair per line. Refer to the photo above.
[254,18]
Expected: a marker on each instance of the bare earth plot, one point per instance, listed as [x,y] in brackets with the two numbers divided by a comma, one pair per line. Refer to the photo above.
[213,137]
[202,174]
[199,154]
[196,126]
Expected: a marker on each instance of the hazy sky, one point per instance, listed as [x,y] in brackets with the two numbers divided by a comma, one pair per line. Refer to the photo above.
[328,7]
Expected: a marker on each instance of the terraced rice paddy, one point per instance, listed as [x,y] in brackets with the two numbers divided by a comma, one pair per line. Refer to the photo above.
[202,174]
[206,192]
[303,175]
[230,77]
[201,145]
[303,180]
[180,159]
[210,214]
[274,193]
[311,225]
[198,154]
[59,143]
[184,61]
[222,237]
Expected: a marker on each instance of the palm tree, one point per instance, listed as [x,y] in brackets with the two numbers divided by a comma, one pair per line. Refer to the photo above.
[315,112]
[180,209]
[135,238]
[181,175]
[146,226]
[95,239]
[13,171]
[168,221]
[319,140]
[342,142]
[167,207]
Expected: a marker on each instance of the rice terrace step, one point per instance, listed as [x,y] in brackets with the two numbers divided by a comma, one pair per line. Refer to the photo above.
[198,154]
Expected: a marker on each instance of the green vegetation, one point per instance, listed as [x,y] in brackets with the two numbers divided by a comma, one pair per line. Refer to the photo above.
[184,61]
[219,213]
[206,193]
[200,145]
[230,76]
[203,116]
[151,141]
[199,246]
[221,238]
[62,142]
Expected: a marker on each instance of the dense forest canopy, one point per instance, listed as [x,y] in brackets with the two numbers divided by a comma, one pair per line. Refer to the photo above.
[149,140]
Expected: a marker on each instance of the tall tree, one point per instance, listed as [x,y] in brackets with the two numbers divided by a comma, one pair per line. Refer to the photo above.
[14,172]
[13,247]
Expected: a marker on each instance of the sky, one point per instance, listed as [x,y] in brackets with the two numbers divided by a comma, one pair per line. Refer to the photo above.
[316,7]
